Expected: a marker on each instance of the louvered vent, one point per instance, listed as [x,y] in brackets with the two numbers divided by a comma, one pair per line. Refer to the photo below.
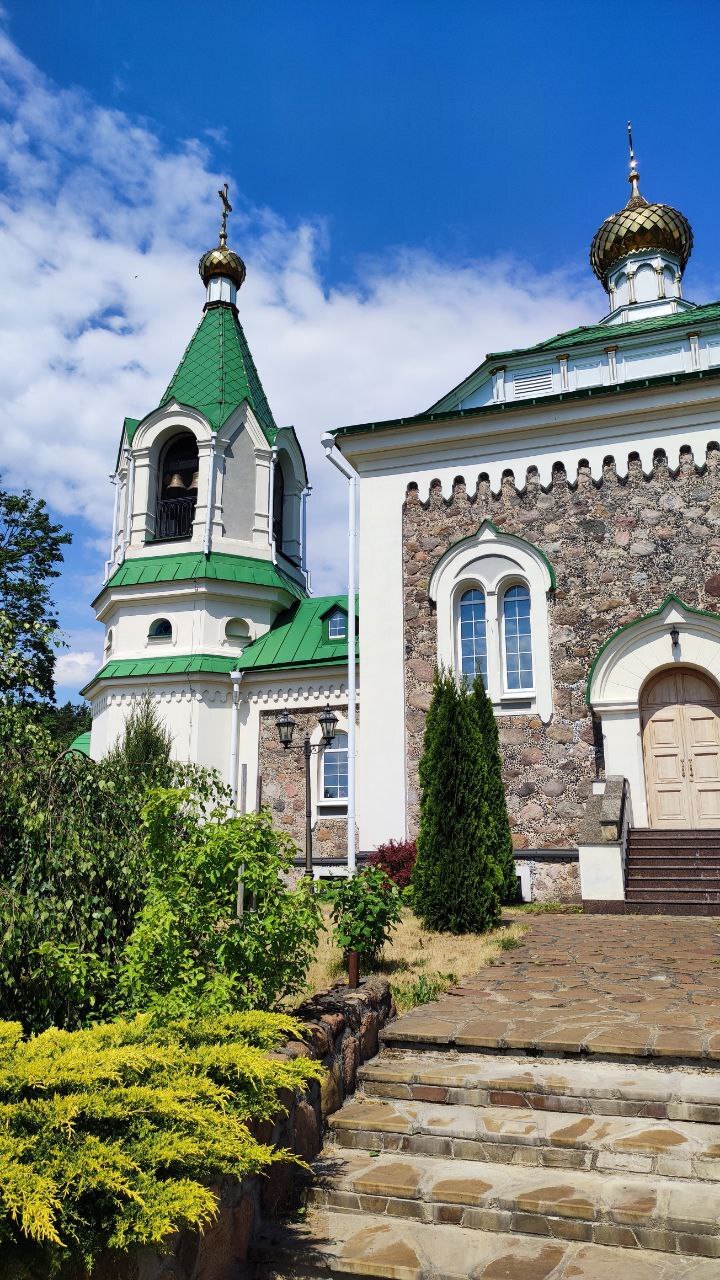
[533,382]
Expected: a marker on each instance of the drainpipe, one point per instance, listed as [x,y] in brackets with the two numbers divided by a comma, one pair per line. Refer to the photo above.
[210,498]
[129,499]
[235,677]
[350,474]
[303,549]
[116,515]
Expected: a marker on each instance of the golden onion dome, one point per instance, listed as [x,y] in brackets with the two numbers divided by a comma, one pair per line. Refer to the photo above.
[221,261]
[640,226]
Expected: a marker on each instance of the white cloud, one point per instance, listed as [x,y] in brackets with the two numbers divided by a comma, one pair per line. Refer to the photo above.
[101,227]
[73,670]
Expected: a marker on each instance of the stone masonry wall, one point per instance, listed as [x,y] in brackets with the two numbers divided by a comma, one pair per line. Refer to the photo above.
[283,785]
[618,548]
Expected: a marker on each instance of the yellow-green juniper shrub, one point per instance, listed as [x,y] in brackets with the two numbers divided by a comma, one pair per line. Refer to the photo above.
[110,1136]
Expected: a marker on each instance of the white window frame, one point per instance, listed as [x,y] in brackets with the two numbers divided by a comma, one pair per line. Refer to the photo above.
[491,561]
[342,617]
[506,585]
[322,808]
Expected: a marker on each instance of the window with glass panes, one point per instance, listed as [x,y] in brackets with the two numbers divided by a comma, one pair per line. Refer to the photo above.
[473,634]
[335,769]
[518,638]
[337,625]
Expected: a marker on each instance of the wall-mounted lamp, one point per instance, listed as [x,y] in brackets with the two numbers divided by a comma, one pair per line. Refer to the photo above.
[675,637]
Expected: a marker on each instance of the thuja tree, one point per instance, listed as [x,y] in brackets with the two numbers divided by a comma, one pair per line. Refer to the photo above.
[500,838]
[456,882]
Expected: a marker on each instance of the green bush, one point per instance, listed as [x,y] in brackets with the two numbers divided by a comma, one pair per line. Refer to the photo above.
[189,946]
[457,881]
[499,837]
[73,872]
[110,1136]
[366,909]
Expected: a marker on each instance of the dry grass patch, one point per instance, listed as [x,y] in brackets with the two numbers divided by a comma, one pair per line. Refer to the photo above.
[419,963]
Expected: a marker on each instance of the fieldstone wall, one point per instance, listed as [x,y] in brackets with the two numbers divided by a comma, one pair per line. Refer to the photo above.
[283,785]
[341,1030]
[553,881]
[618,548]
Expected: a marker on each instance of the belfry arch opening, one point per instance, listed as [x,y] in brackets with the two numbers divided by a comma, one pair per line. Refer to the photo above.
[177,488]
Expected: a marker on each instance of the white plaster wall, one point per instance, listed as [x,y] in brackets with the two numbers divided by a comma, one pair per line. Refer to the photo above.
[196,710]
[381,765]
[622,739]
[601,872]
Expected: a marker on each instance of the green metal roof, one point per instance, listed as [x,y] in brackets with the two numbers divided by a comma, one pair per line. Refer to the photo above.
[130,426]
[81,744]
[531,402]
[585,336]
[297,639]
[189,565]
[217,372]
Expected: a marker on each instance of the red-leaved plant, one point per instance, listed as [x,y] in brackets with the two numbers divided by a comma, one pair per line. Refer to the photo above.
[397,859]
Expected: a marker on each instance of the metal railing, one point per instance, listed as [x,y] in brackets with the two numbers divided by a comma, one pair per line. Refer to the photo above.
[174,518]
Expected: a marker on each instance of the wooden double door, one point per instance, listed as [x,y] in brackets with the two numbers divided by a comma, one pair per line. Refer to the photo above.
[681,748]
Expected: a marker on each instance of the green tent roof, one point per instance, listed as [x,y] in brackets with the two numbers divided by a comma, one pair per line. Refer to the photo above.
[219,565]
[81,744]
[217,372]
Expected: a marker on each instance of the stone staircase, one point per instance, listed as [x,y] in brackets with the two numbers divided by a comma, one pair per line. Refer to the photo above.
[458,1162]
[673,872]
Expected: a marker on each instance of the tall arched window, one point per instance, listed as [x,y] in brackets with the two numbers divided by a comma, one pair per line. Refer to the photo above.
[334,781]
[177,488]
[278,505]
[517,633]
[473,635]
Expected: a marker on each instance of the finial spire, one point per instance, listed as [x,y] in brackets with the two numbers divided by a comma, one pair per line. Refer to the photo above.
[633,176]
[226,209]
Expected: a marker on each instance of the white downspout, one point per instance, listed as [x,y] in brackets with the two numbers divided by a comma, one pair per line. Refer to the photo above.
[236,677]
[303,550]
[350,474]
[210,498]
[129,500]
[116,516]
[271,506]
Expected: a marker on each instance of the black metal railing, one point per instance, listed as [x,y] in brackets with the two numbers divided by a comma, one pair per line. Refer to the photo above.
[174,518]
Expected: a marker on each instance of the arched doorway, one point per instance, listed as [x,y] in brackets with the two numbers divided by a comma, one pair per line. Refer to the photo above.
[681,749]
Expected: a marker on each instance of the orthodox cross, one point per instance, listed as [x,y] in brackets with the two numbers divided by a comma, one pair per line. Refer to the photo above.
[226,209]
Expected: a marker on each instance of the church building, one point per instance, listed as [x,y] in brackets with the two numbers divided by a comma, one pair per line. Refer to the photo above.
[552,523]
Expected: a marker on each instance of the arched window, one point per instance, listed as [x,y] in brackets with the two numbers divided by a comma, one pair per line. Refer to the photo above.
[473,635]
[517,634]
[334,774]
[237,632]
[177,488]
[109,642]
[160,629]
[278,505]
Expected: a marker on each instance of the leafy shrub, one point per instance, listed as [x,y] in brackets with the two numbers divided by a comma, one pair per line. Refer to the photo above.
[111,1135]
[189,946]
[366,909]
[73,872]
[397,859]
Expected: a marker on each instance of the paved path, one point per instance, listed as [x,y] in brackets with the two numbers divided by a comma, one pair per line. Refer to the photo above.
[556,1117]
[604,984]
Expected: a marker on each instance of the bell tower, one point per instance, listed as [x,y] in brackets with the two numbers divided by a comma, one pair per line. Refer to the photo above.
[207,545]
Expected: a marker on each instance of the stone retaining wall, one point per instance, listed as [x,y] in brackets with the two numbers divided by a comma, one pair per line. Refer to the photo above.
[619,547]
[342,1028]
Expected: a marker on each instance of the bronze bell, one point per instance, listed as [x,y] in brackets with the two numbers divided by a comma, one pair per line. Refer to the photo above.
[175,481]
[194,482]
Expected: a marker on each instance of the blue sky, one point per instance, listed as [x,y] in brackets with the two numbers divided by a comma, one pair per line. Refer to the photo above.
[415,183]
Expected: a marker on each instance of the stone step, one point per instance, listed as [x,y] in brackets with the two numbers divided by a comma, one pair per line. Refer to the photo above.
[673,893]
[578,1088]
[629,1210]
[656,907]
[349,1244]
[673,1149]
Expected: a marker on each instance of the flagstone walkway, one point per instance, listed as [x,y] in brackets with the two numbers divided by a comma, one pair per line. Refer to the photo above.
[556,1117]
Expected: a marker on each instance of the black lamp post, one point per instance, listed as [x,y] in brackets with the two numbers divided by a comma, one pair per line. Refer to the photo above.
[286,728]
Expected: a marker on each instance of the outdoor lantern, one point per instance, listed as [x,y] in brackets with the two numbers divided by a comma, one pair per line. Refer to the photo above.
[328,722]
[285,727]
[675,637]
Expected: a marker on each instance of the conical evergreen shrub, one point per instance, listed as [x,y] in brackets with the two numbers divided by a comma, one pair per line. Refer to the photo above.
[456,882]
[494,793]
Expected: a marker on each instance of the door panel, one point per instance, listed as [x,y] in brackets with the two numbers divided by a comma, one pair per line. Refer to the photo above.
[681,746]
